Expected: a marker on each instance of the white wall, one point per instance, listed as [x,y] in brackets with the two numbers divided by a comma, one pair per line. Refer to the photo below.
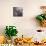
[26,24]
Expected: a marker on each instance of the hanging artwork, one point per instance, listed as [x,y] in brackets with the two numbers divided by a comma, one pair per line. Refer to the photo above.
[17,12]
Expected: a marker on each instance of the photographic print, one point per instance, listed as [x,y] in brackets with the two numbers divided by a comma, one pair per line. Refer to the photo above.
[17,11]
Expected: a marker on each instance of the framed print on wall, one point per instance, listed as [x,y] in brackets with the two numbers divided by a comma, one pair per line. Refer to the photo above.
[17,12]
